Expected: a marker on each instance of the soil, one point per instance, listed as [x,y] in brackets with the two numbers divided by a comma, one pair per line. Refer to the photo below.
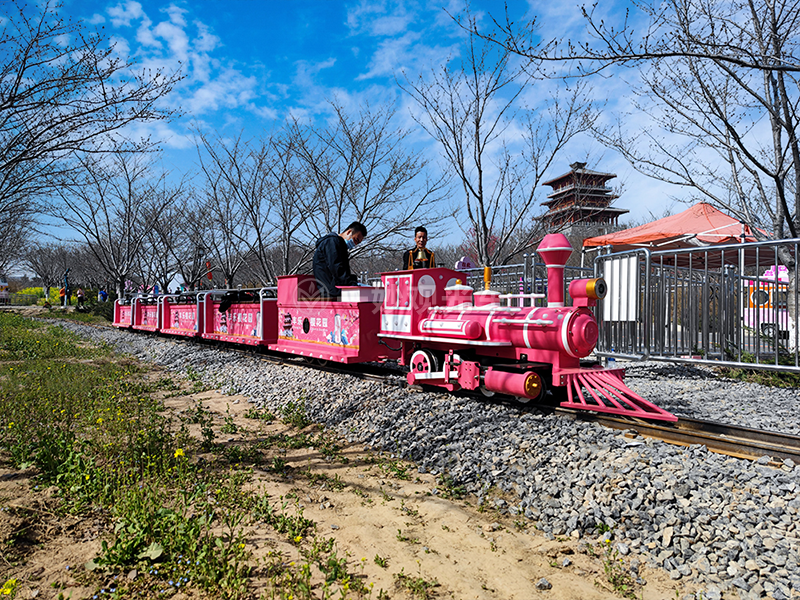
[470,553]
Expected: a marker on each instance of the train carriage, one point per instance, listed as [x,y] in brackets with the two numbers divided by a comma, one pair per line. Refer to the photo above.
[182,315]
[123,314]
[246,317]
[343,330]
[146,316]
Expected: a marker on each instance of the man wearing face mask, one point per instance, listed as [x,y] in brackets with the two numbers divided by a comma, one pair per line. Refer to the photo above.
[332,261]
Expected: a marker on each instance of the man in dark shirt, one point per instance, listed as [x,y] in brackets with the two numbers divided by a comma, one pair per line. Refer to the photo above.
[419,257]
[332,262]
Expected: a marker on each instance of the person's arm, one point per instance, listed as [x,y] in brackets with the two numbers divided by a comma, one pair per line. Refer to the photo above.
[404,266]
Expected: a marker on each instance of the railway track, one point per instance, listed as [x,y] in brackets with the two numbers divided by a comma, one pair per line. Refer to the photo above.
[730,440]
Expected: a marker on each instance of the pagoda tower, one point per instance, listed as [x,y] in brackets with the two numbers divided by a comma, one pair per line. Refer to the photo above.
[580,204]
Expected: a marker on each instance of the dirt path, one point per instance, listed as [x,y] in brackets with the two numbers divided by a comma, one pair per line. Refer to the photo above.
[361,498]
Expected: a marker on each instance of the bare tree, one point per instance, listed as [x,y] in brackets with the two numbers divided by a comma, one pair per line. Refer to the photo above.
[712,75]
[265,185]
[113,204]
[58,100]
[468,106]
[48,262]
[715,31]
[359,169]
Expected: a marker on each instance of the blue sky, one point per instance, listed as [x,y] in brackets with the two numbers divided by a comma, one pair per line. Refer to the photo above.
[248,64]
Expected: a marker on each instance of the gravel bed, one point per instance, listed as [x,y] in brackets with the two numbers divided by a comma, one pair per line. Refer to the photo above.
[697,392]
[728,525]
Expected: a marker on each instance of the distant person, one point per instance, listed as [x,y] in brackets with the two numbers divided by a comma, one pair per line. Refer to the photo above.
[81,296]
[102,295]
[62,296]
[419,257]
[332,260]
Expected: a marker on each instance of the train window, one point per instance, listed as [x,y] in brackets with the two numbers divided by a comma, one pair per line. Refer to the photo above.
[760,297]
[306,325]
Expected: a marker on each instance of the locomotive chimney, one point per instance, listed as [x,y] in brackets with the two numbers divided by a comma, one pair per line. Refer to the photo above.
[555,249]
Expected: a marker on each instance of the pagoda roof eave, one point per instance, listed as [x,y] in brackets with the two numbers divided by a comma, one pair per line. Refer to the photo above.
[581,172]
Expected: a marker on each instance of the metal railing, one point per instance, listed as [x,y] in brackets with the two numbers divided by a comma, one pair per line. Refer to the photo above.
[732,305]
[14,299]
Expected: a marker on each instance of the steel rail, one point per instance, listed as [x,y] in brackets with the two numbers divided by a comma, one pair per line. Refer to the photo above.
[731,440]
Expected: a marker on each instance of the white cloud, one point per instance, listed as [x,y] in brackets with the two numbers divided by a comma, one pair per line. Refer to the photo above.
[379,18]
[231,89]
[406,53]
[123,14]
[173,34]
[144,36]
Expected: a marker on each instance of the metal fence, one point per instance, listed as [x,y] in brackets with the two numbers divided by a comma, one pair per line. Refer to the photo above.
[14,299]
[732,305]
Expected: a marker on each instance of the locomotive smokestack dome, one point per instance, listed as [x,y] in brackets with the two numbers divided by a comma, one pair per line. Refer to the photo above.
[555,249]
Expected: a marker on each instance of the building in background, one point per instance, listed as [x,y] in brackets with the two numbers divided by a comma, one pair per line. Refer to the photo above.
[580,205]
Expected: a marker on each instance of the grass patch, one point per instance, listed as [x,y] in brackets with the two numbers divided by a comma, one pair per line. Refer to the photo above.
[93,427]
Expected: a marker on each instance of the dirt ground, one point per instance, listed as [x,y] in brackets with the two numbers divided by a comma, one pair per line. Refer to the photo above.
[471,554]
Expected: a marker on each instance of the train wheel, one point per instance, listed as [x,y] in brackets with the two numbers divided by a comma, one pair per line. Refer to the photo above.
[486,392]
[424,361]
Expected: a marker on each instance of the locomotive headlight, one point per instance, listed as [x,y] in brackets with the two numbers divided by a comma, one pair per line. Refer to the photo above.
[585,292]
[596,288]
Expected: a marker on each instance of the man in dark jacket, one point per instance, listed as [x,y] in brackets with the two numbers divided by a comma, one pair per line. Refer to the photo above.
[332,262]
[419,257]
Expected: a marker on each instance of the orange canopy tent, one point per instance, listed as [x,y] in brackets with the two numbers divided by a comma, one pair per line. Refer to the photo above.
[698,226]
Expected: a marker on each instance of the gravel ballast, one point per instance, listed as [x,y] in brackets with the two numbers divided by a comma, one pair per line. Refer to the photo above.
[728,524]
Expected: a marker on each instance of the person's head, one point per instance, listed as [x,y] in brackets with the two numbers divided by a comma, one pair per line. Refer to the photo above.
[421,237]
[354,234]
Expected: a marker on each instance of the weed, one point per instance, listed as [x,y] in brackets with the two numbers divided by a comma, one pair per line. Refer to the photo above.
[602,528]
[327,445]
[409,511]
[395,468]
[403,538]
[616,573]
[229,426]
[333,483]
[418,587]
[259,414]
[449,489]
[9,589]
[381,561]
[294,414]
[242,454]
[278,465]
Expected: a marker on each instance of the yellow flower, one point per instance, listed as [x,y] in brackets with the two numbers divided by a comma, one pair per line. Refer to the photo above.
[298,539]
[99,420]
[179,453]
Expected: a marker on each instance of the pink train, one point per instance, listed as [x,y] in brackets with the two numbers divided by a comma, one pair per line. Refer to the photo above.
[445,333]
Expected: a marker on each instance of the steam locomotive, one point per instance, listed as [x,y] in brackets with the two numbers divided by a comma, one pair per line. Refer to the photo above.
[446,334]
